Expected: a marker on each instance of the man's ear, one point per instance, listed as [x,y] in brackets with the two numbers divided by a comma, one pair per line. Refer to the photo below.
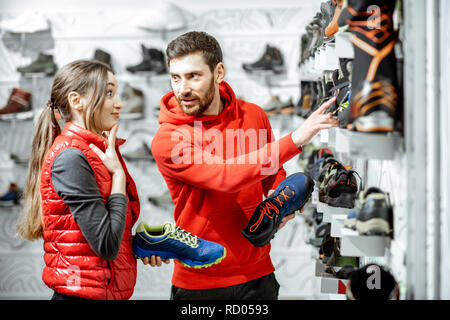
[219,73]
[75,101]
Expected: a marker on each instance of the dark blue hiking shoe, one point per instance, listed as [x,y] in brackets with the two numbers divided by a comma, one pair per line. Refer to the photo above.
[169,241]
[290,195]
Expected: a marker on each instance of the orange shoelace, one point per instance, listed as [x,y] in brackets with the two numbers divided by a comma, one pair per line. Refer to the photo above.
[269,209]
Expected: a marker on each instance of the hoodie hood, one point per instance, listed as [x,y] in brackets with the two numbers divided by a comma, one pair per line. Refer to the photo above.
[171,112]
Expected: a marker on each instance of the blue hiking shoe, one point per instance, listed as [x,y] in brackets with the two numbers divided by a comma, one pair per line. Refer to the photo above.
[290,195]
[350,221]
[169,241]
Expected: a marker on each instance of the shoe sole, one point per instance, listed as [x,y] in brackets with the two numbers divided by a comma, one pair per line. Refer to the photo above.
[142,254]
[275,69]
[376,226]
[350,223]
[18,115]
[376,122]
[344,200]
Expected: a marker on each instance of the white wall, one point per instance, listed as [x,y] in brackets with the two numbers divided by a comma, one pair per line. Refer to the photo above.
[78,28]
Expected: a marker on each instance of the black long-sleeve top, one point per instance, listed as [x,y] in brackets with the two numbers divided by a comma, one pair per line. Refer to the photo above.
[102,225]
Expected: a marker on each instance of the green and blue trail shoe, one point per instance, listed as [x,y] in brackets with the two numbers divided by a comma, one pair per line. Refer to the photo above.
[169,241]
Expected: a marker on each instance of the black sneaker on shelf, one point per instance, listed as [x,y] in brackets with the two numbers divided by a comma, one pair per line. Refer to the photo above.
[152,61]
[331,171]
[341,189]
[271,60]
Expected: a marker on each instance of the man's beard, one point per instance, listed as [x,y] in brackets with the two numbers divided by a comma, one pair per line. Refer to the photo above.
[203,102]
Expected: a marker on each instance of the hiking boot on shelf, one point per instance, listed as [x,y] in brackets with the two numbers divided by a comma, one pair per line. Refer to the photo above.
[374,213]
[18,106]
[275,106]
[327,9]
[333,26]
[304,43]
[169,241]
[387,288]
[11,196]
[271,60]
[327,246]
[290,195]
[374,99]
[102,56]
[44,64]
[133,103]
[152,61]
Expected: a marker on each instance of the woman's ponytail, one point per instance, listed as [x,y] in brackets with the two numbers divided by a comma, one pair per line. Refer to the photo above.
[29,225]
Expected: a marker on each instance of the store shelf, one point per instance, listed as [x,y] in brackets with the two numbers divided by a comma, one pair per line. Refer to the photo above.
[333,285]
[330,212]
[344,46]
[308,72]
[320,268]
[315,196]
[337,224]
[367,145]
[328,137]
[355,245]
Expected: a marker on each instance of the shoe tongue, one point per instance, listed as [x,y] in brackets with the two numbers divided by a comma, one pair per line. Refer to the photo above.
[169,227]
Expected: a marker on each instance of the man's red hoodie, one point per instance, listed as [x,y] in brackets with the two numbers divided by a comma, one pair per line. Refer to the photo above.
[217,168]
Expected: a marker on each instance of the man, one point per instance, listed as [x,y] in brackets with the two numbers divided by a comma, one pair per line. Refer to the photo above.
[218,157]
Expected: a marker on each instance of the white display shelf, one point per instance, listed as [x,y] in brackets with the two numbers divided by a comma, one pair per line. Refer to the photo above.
[355,245]
[308,72]
[328,137]
[337,224]
[367,145]
[315,196]
[344,46]
[330,60]
[330,212]
[325,58]
[333,285]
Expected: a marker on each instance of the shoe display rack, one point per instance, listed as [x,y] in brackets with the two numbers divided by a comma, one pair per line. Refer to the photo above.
[365,152]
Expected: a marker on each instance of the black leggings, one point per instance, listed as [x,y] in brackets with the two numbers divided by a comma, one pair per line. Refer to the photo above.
[60,296]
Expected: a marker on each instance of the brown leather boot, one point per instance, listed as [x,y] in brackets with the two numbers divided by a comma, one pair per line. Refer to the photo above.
[18,106]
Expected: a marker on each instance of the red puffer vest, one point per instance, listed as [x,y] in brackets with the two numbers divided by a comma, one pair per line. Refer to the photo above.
[71,266]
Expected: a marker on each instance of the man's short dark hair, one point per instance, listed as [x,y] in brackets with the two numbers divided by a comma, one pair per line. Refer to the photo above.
[195,41]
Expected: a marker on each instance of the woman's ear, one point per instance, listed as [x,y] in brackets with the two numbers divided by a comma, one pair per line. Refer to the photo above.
[219,73]
[75,101]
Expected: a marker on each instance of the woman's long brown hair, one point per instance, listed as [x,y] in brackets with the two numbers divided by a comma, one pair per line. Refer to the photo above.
[88,78]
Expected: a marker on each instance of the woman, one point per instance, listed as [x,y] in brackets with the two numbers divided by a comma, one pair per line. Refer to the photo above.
[79,195]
